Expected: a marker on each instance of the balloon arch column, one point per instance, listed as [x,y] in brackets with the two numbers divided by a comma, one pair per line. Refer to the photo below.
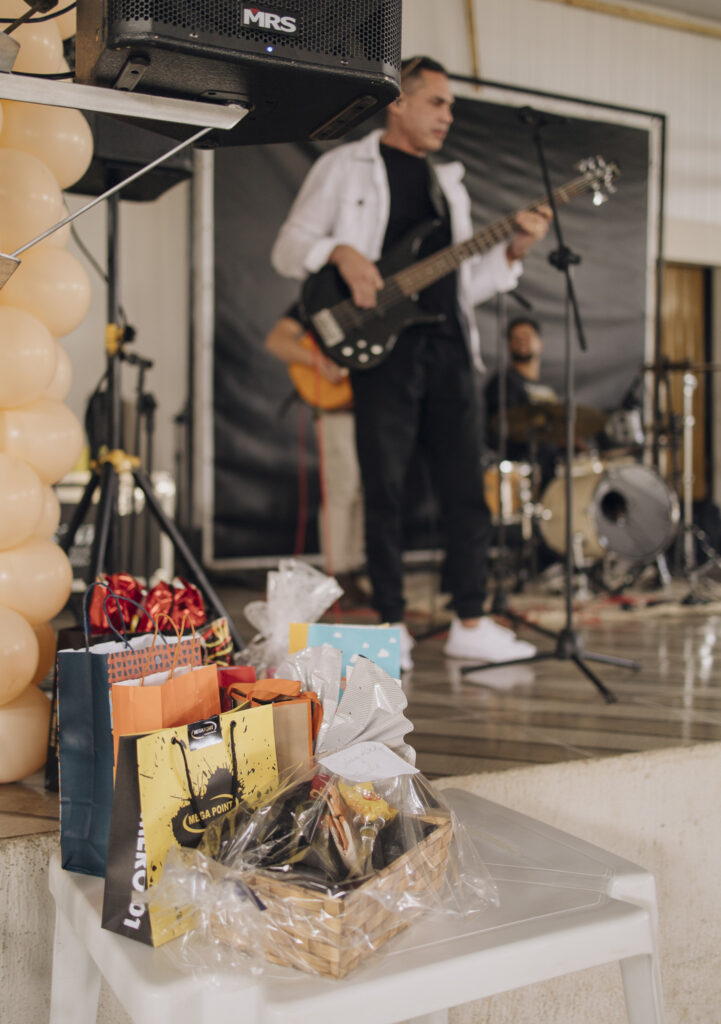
[42,151]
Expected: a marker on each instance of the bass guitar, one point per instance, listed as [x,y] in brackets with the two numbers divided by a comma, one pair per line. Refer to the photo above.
[362,338]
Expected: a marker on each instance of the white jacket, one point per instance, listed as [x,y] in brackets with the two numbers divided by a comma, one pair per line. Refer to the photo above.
[345,200]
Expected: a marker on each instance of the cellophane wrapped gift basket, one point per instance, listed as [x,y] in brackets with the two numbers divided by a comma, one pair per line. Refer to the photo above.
[327,870]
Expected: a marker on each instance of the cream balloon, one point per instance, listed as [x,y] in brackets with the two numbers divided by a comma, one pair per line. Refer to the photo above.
[28,357]
[35,580]
[24,735]
[50,515]
[51,284]
[41,48]
[12,8]
[22,500]
[60,137]
[67,23]
[19,653]
[47,640]
[60,384]
[44,433]
[60,239]
[30,199]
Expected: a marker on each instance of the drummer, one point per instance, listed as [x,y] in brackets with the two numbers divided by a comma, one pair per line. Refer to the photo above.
[523,388]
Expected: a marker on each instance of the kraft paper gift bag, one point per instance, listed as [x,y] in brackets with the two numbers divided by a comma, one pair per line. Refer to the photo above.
[297,718]
[169,785]
[85,740]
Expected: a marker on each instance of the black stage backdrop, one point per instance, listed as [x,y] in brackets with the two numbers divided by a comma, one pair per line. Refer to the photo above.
[265,454]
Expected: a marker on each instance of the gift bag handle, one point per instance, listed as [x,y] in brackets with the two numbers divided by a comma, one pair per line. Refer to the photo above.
[191,791]
[86,613]
[234,762]
[151,649]
[250,893]
[179,631]
[118,597]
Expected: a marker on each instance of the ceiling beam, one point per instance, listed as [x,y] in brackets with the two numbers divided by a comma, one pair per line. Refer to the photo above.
[679,23]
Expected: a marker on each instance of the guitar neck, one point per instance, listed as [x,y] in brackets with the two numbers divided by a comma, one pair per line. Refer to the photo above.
[420,275]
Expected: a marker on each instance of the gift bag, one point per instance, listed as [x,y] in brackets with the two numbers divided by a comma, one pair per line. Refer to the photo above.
[297,718]
[163,700]
[85,741]
[169,785]
[69,638]
[229,675]
[381,644]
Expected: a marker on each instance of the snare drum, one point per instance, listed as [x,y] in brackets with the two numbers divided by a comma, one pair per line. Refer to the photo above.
[586,472]
[507,489]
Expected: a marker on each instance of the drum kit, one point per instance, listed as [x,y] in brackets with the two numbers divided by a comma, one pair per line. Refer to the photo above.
[621,506]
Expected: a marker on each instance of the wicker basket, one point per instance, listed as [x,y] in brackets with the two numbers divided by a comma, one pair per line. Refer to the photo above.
[330,935]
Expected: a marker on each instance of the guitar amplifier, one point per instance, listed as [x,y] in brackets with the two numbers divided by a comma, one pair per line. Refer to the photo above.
[309,69]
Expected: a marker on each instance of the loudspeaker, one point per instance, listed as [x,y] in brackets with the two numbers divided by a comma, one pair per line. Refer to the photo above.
[311,69]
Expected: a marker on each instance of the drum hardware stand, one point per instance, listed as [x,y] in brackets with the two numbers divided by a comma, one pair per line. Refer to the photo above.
[685,553]
[108,467]
[499,603]
[568,643]
[691,532]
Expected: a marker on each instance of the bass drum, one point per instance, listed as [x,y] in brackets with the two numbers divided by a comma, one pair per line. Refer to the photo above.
[635,512]
[586,473]
[625,508]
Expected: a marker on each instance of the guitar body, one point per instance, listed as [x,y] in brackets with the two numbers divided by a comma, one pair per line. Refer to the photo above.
[362,338]
[315,389]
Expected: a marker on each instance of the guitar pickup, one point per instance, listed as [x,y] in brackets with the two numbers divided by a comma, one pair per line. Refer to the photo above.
[327,328]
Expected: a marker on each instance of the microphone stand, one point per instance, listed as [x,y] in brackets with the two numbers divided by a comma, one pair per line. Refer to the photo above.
[568,644]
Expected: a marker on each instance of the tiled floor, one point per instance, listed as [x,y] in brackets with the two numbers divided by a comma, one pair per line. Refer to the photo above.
[533,713]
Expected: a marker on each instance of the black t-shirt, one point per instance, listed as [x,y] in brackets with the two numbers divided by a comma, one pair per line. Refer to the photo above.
[410,190]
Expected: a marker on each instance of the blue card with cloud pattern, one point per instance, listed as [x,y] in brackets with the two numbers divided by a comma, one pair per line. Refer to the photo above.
[381,644]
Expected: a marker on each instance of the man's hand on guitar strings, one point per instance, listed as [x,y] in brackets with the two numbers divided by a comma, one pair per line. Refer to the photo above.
[531,227]
[359,274]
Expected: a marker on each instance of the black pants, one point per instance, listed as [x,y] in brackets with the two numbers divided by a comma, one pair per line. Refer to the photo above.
[424,391]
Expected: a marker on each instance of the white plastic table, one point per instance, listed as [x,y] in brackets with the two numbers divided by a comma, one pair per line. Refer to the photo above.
[564,905]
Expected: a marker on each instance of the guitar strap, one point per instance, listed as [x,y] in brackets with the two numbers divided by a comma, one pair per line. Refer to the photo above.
[438,200]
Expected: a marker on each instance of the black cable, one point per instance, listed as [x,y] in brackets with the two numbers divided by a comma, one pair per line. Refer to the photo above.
[32,74]
[45,17]
[87,254]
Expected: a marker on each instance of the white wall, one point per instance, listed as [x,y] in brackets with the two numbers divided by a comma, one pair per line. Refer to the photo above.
[152,288]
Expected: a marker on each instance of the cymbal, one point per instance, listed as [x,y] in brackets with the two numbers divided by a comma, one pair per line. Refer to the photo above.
[545,422]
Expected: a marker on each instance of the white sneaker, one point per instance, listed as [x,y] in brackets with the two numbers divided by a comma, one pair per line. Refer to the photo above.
[407,644]
[487,642]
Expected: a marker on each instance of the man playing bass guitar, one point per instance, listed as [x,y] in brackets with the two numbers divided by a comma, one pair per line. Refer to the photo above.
[357,203]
